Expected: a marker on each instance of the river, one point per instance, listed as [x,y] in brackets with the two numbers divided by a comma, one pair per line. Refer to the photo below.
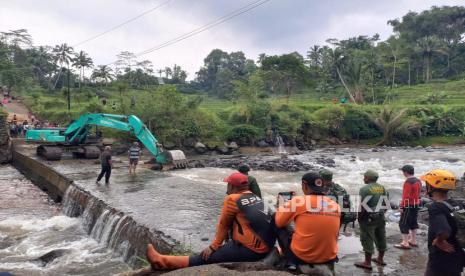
[32,226]
[185,204]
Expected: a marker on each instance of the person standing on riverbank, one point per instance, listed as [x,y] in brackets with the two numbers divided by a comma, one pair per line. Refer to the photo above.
[242,215]
[253,185]
[337,193]
[134,155]
[372,221]
[446,256]
[409,207]
[106,162]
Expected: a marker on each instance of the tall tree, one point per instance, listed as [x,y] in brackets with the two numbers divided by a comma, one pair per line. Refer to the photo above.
[82,61]
[63,56]
[103,74]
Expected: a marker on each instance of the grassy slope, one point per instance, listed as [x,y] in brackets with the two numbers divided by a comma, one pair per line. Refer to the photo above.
[402,96]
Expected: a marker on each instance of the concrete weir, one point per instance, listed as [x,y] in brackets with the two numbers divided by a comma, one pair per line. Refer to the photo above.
[109,226]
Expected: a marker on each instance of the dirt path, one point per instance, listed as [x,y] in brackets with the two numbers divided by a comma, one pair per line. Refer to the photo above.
[18,108]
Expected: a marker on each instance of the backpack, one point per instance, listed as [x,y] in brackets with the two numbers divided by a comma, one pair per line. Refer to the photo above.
[458,214]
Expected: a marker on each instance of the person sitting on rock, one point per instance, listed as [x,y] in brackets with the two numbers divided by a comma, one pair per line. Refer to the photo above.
[253,235]
[253,185]
[313,243]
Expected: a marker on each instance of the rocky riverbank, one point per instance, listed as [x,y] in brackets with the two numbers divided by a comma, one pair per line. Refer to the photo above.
[267,162]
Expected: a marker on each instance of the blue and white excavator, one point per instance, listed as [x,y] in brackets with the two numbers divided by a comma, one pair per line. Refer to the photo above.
[77,138]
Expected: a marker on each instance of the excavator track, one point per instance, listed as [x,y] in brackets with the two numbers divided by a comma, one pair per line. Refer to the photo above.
[49,152]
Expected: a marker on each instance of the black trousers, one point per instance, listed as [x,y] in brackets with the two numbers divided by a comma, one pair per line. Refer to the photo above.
[229,253]
[106,170]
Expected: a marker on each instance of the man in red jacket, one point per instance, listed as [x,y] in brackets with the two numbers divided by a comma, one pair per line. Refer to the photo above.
[409,206]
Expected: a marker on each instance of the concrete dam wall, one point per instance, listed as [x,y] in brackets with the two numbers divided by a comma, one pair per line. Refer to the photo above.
[109,226]
[5,149]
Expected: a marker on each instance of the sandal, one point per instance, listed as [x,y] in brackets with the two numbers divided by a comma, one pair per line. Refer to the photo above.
[378,262]
[411,244]
[363,265]
[402,246]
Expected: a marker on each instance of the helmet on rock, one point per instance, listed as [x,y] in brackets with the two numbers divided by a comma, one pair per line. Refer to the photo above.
[440,179]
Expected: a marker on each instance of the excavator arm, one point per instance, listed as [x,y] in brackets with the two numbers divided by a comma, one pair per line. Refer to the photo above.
[77,132]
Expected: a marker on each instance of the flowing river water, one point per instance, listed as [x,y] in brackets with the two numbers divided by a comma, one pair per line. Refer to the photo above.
[183,204]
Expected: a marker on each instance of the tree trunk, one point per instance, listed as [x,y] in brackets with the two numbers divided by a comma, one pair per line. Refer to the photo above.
[352,98]
[373,84]
[394,72]
[409,73]
[428,67]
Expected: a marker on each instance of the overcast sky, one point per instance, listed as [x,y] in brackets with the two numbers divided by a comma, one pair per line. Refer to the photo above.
[279,26]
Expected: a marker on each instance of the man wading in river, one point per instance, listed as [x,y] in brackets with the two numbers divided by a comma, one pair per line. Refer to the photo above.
[106,162]
[242,214]
[134,155]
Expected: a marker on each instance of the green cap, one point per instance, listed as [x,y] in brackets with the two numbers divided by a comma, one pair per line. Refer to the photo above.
[326,174]
[371,174]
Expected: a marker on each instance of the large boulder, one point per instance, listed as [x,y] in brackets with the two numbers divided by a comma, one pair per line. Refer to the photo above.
[262,144]
[169,145]
[223,150]
[200,148]
[189,142]
[233,146]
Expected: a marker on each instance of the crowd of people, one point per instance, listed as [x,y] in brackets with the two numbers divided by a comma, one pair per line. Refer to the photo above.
[18,128]
[304,230]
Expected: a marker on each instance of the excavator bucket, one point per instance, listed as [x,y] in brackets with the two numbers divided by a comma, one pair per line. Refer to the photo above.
[176,158]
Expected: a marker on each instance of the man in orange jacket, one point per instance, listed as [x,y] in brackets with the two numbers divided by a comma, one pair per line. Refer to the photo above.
[317,221]
[242,213]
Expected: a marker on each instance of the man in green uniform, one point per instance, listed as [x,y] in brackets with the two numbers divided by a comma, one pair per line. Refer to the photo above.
[373,197]
[337,193]
[253,185]
[334,190]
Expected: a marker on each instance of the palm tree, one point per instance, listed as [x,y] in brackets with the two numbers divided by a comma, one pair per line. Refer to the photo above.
[63,55]
[390,122]
[82,61]
[354,78]
[429,45]
[338,61]
[103,73]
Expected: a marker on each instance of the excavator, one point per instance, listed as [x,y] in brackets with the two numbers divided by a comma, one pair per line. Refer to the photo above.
[77,138]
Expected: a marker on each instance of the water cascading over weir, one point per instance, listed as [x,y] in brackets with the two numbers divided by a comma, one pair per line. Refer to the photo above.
[111,227]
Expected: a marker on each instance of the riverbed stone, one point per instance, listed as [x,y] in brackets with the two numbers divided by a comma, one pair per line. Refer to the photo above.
[223,150]
[169,145]
[200,148]
[262,144]
[233,146]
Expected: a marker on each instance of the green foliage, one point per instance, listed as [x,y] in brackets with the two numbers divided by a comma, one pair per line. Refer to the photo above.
[357,125]
[243,134]
[390,122]
[332,119]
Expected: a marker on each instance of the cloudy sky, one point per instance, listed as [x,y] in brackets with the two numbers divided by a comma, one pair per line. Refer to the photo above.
[278,26]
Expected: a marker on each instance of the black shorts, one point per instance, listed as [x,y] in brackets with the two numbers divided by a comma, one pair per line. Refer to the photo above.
[408,220]
[133,161]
